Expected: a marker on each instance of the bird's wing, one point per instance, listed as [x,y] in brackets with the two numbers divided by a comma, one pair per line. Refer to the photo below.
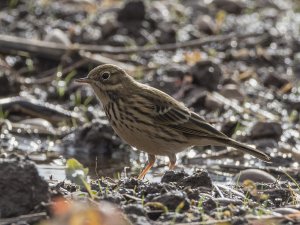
[168,112]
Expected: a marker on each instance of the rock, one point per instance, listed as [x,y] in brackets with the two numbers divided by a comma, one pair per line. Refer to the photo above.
[172,200]
[199,178]
[231,91]
[138,220]
[256,175]
[279,197]
[173,176]
[230,6]
[206,74]
[275,81]
[286,211]
[115,198]
[131,183]
[158,188]
[8,85]
[205,24]
[166,33]
[5,85]
[227,201]
[57,36]
[22,189]
[135,209]
[133,10]
[209,205]
[266,130]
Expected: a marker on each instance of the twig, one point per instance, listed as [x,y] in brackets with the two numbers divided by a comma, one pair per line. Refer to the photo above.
[97,58]
[30,218]
[50,75]
[52,50]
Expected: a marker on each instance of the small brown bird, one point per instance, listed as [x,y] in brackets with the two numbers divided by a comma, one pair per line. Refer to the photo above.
[153,121]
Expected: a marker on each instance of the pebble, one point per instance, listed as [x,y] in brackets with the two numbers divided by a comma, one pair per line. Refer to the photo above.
[266,130]
[172,200]
[206,74]
[199,178]
[255,175]
[173,176]
[22,189]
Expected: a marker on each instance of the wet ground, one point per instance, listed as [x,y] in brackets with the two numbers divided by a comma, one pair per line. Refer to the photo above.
[236,63]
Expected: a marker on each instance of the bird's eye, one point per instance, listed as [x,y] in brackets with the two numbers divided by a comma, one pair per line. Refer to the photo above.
[105,75]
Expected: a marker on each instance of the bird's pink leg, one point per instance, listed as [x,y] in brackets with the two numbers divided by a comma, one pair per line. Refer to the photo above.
[151,159]
[172,162]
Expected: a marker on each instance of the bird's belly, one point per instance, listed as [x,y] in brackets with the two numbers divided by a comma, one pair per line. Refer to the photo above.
[154,142]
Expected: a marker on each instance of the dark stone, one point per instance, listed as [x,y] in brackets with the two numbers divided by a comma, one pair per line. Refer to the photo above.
[278,196]
[206,74]
[266,130]
[115,198]
[173,176]
[205,24]
[132,11]
[209,205]
[230,6]
[8,85]
[227,201]
[193,194]
[138,220]
[135,209]
[275,81]
[255,175]
[199,178]
[22,189]
[172,199]
[131,183]
[166,33]
[156,188]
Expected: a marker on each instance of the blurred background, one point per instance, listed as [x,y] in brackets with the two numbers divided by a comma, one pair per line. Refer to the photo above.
[236,63]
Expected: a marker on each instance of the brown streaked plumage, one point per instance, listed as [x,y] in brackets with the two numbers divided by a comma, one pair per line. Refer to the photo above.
[151,120]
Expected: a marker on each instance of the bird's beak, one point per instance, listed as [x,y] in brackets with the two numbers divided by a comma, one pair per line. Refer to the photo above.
[84,80]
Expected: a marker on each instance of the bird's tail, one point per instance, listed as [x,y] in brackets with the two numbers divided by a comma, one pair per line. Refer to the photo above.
[247,149]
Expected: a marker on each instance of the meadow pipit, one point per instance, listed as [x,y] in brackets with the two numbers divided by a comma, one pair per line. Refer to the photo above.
[153,121]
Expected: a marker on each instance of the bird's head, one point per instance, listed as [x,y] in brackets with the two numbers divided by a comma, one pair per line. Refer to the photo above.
[108,81]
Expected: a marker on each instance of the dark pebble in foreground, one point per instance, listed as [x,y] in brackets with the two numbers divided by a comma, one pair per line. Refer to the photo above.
[22,189]
[172,200]
[199,178]
[173,176]
[256,175]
